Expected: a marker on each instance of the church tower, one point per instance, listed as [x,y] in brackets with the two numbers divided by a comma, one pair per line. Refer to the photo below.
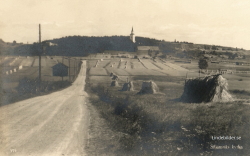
[132,36]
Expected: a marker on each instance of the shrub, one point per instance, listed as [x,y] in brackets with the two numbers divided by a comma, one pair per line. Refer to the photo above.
[203,64]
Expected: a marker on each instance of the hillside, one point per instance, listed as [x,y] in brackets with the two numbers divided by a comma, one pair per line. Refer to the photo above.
[84,45]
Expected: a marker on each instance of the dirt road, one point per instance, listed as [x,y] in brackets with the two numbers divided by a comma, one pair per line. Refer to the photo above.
[54,124]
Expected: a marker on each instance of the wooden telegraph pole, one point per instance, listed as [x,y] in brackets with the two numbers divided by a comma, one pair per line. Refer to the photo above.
[69,67]
[40,53]
[74,68]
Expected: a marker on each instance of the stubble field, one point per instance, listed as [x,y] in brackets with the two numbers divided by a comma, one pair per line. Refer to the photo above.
[160,124]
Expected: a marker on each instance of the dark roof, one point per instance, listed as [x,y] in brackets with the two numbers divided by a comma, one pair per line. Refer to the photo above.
[59,65]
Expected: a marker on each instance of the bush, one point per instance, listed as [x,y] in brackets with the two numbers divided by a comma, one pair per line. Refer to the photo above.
[203,64]
[31,86]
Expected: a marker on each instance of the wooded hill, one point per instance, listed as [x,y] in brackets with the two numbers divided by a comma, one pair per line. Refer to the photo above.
[84,45]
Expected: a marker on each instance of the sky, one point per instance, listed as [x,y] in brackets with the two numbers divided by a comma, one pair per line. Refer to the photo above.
[216,22]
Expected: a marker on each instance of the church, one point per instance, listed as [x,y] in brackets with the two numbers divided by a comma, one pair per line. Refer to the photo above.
[132,36]
[144,50]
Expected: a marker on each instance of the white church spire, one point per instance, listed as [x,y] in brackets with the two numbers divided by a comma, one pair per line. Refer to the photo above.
[132,35]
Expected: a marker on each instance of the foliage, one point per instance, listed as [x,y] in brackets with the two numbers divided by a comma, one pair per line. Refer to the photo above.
[31,86]
[203,64]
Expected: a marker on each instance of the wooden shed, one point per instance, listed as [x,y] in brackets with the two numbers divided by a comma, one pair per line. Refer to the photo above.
[60,69]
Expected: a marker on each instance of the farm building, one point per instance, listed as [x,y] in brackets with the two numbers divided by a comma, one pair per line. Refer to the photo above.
[219,48]
[242,63]
[224,56]
[239,63]
[60,70]
[52,44]
[146,50]
[110,52]
[207,56]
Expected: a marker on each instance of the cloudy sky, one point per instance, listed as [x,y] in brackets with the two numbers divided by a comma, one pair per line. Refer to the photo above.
[219,22]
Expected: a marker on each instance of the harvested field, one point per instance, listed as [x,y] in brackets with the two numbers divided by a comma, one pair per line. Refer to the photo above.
[98,71]
[138,65]
[36,62]
[120,72]
[148,64]
[127,67]
[27,62]
[7,61]
[157,123]
[145,72]
[17,62]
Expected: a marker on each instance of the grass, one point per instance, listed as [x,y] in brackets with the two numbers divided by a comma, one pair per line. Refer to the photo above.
[159,124]
[26,90]
[14,88]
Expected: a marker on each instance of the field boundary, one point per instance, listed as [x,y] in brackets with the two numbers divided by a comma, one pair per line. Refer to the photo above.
[32,64]
[107,64]
[157,65]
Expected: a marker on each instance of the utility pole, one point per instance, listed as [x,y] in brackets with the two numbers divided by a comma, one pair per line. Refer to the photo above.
[40,53]
[69,67]
[74,68]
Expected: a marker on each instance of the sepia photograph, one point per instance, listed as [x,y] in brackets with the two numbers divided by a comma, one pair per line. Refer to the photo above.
[124,78]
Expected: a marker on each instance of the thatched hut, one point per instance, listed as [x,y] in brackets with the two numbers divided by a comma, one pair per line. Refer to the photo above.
[128,86]
[114,83]
[148,88]
[209,89]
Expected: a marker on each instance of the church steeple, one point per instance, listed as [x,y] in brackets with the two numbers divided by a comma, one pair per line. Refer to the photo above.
[132,35]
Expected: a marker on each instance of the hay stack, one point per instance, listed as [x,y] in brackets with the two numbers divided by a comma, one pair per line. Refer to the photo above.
[115,77]
[209,89]
[114,83]
[128,86]
[111,74]
[148,88]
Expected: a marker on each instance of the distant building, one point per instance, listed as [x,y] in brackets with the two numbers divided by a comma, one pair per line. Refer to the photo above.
[60,70]
[132,36]
[219,48]
[207,56]
[147,50]
[52,44]
[242,63]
